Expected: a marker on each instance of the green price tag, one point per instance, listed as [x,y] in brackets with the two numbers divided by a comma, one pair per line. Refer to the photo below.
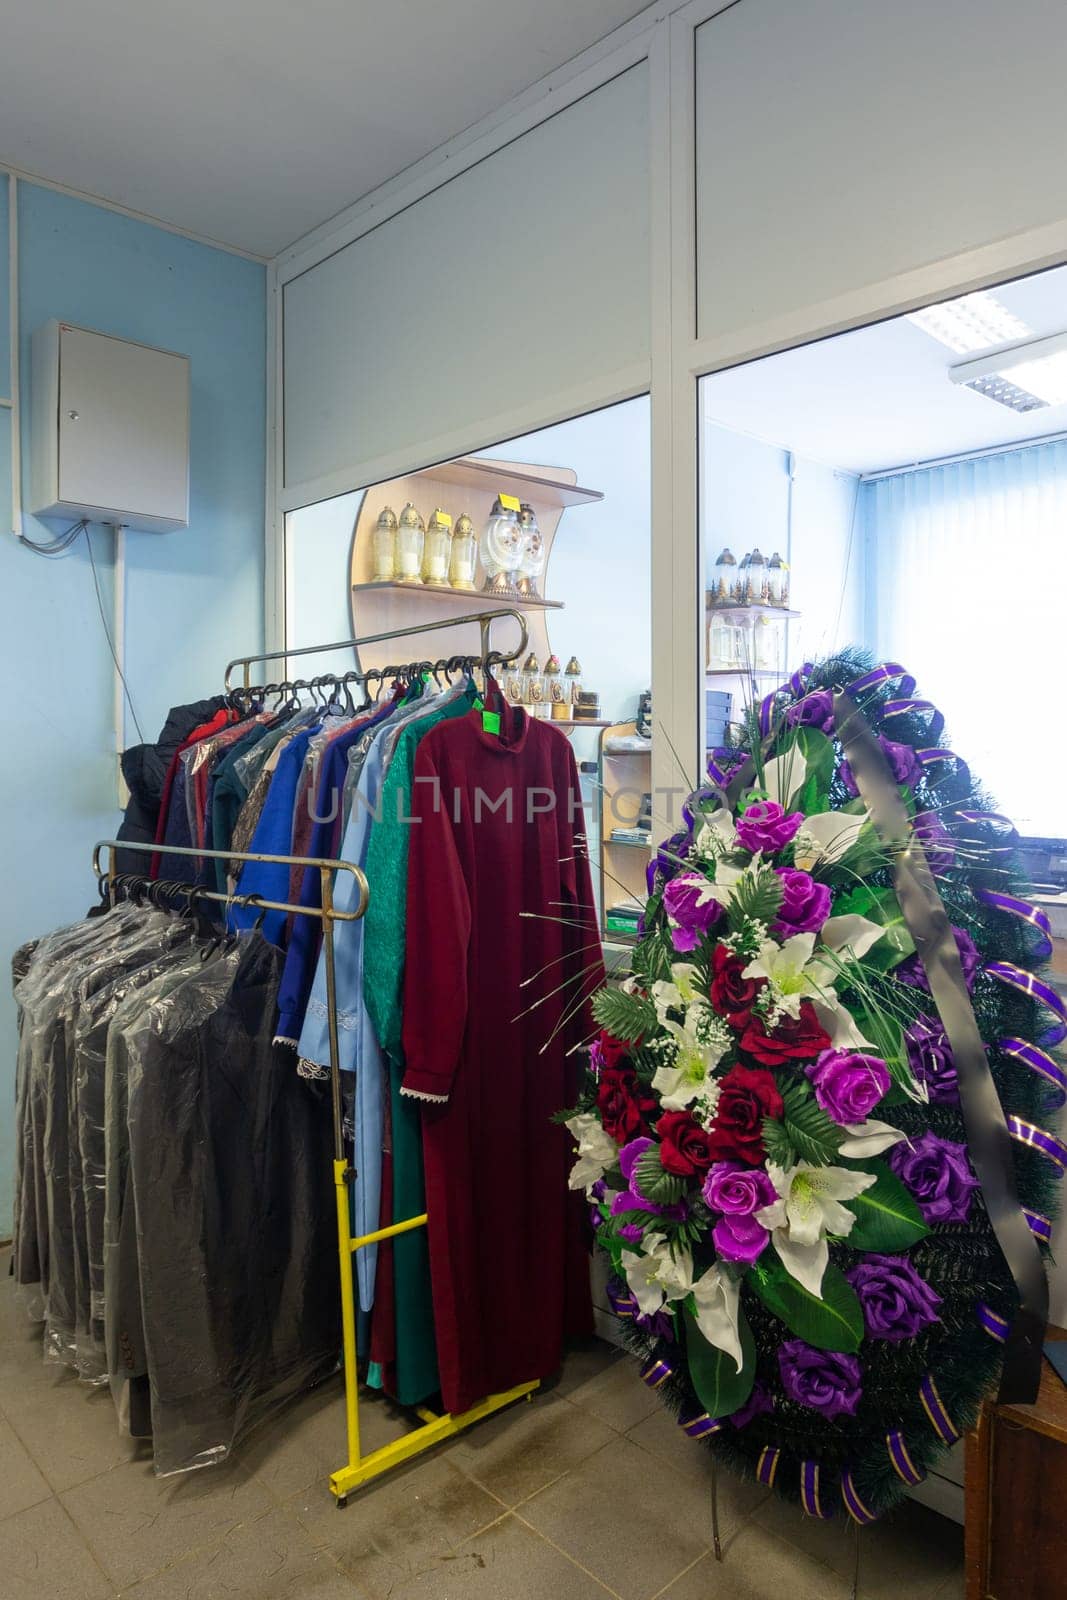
[491,721]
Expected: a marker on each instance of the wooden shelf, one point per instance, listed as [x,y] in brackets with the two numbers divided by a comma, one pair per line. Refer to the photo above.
[471,599]
[625,844]
[477,472]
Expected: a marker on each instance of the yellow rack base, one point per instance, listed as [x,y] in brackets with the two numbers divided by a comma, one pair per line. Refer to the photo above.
[362,1469]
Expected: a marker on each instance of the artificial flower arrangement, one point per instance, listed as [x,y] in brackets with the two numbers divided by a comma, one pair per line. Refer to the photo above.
[770,1135]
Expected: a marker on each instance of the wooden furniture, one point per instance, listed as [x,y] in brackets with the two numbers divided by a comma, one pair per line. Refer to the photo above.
[625,776]
[1016,1523]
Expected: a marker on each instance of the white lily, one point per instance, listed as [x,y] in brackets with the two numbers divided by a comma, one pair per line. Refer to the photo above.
[868,1138]
[784,776]
[716,1298]
[676,993]
[850,937]
[717,836]
[788,969]
[688,1074]
[597,1151]
[825,837]
[657,1275]
[807,1209]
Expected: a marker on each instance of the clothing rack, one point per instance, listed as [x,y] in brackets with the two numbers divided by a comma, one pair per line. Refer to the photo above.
[359,1469]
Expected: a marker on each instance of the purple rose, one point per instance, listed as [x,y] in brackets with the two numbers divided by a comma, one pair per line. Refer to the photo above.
[758,1403]
[632,1199]
[691,909]
[896,1302]
[932,1061]
[741,1239]
[816,710]
[737,1190]
[725,758]
[660,1324]
[669,860]
[765,825]
[823,1380]
[938,1174]
[904,764]
[805,905]
[911,970]
[848,1085]
[938,844]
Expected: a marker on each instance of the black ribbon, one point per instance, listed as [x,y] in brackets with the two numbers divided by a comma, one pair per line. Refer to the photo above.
[989,1142]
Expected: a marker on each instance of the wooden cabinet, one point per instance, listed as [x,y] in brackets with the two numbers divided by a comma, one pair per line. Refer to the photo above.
[1016,1521]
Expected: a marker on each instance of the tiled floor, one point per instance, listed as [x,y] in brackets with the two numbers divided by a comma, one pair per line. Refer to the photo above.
[591,1490]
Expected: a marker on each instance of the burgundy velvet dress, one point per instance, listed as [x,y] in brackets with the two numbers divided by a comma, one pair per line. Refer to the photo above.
[499,893]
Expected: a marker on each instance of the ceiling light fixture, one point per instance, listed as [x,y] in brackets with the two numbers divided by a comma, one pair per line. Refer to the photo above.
[972,322]
[1023,377]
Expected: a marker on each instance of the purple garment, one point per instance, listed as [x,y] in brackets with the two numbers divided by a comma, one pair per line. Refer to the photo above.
[848,1084]
[897,1303]
[938,1174]
[826,1381]
[805,905]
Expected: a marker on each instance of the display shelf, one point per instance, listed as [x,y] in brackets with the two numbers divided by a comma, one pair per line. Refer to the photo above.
[744,613]
[480,473]
[483,600]
[627,844]
[743,672]
[623,777]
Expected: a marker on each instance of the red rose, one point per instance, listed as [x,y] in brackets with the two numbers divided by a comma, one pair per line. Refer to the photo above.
[608,1051]
[748,1095]
[793,1039]
[623,1103]
[732,995]
[685,1148]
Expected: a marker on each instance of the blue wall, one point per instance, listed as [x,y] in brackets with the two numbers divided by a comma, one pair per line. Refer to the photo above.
[194,597]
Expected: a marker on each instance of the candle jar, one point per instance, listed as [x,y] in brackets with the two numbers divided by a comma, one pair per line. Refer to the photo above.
[410,539]
[776,584]
[501,545]
[532,554]
[383,546]
[464,554]
[724,584]
[744,589]
[533,686]
[555,692]
[757,579]
[572,676]
[437,549]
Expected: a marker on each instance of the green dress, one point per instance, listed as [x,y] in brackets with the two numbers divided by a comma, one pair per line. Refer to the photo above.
[383,989]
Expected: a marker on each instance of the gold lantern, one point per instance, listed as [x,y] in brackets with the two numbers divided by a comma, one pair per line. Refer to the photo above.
[437,549]
[410,539]
[383,546]
[464,556]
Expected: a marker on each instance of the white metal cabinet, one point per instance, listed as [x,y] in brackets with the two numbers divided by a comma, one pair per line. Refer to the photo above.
[109,429]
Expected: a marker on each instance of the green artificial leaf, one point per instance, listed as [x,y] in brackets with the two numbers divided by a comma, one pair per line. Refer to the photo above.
[756,898]
[886,1036]
[625,1016]
[813,792]
[815,1138]
[887,1216]
[720,1387]
[830,1321]
[883,907]
[663,1188]
[651,960]
[776,1144]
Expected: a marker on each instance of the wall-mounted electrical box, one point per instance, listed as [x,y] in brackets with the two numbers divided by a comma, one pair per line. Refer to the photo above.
[109,429]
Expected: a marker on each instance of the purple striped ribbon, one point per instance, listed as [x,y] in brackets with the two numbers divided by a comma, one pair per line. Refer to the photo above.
[811,1492]
[767,1465]
[1029,1133]
[995,817]
[656,1372]
[931,755]
[995,1325]
[901,1459]
[1040,1227]
[853,1504]
[794,686]
[698,1425]
[1025,912]
[1038,1060]
[622,1302]
[1026,983]
[888,672]
[934,1407]
[903,708]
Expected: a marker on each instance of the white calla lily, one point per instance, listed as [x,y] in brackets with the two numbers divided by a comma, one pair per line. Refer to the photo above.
[716,1299]
[597,1151]
[656,1275]
[850,937]
[807,1209]
[868,1138]
[784,776]
[825,837]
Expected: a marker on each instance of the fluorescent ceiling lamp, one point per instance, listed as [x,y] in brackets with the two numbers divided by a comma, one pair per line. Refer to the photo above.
[972,322]
[1023,377]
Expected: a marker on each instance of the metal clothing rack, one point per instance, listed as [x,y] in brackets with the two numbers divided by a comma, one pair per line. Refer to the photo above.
[359,1469]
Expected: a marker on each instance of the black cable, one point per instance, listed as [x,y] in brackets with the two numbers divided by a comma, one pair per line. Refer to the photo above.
[107,632]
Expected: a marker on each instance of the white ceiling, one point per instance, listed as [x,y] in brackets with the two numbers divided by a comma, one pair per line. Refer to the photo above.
[881,397]
[252,121]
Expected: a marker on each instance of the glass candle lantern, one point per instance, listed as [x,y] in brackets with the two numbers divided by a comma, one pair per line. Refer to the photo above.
[437,549]
[501,544]
[555,692]
[464,554]
[724,583]
[572,676]
[410,539]
[743,591]
[532,554]
[757,579]
[533,685]
[383,546]
[776,580]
